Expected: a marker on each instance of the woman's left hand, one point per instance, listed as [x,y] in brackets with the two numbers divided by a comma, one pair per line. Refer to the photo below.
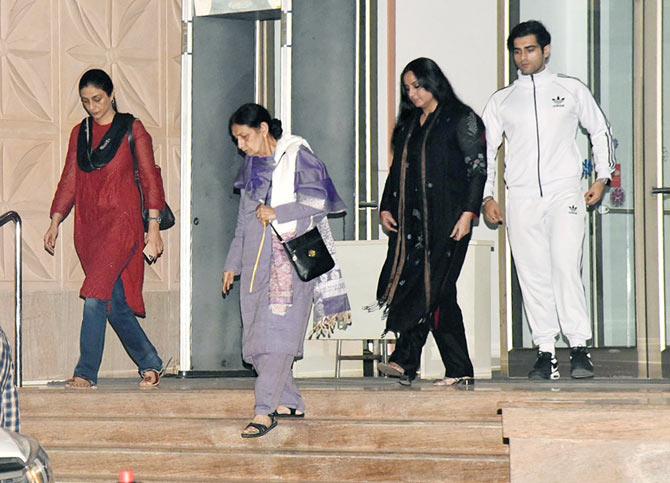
[153,240]
[462,226]
[265,214]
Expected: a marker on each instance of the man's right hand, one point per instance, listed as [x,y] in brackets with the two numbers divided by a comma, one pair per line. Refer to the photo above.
[492,212]
[388,222]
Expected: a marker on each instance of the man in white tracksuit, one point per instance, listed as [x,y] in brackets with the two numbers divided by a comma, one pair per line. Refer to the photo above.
[539,115]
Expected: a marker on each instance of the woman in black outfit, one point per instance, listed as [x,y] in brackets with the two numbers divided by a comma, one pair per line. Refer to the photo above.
[432,195]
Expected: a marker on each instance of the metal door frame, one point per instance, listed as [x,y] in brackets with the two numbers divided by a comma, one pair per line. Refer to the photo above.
[650,350]
[185,236]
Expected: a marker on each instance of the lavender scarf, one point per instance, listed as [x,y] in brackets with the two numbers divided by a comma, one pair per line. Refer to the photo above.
[299,176]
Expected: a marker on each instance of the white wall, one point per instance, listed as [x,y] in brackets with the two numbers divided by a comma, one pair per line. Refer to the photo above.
[567,21]
[462,38]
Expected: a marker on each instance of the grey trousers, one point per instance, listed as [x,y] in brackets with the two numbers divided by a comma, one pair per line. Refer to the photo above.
[275,385]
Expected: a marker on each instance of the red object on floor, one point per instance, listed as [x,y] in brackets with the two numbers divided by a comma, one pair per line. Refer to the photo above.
[616,176]
[127,476]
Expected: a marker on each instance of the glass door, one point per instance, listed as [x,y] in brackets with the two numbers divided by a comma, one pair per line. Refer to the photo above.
[665,190]
[612,225]
[594,41]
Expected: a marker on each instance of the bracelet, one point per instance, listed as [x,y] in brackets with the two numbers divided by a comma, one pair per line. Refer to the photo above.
[157,219]
[486,200]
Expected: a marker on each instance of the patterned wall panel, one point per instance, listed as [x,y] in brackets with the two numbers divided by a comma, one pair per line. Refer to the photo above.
[173,64]
[26,61]
[26,189]
[173,194]
[45,46]
[29,141]
[126,38]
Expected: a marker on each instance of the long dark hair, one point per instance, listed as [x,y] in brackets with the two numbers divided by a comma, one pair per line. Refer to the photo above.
[430,77]
[253,115]
[100,79]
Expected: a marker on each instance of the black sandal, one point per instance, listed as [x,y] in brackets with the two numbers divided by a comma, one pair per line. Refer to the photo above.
[292,414]
[262,429]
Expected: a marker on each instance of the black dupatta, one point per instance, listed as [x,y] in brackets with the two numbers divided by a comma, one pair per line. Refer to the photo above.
[439,172]
[91,159]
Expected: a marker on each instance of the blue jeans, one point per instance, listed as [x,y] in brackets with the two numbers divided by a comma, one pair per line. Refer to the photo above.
[127,328]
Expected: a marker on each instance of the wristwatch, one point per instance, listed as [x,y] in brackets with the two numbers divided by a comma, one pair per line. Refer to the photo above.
[157,219]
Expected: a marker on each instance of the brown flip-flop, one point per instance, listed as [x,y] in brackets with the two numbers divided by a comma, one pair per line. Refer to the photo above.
[76,382]
[151,379]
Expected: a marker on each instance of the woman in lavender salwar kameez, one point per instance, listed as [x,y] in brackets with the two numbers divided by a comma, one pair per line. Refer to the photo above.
[284,183]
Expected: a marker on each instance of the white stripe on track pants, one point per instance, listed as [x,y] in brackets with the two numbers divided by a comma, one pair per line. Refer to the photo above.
[546,235]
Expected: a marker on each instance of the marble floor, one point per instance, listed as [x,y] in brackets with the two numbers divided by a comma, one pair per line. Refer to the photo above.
[499,385]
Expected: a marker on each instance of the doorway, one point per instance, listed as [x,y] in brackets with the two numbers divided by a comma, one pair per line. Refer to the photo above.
[596,42]
[282,55]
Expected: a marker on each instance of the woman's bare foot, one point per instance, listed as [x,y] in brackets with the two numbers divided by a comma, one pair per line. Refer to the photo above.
[150,379]
[391,369]
[76,382]
[453,381]
[266,421]
[286,411]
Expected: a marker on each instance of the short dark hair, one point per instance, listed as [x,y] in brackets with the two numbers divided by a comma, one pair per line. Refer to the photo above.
[530,27]
[253,115]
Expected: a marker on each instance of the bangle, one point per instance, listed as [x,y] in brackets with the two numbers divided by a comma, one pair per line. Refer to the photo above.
[157,219]
[486,200]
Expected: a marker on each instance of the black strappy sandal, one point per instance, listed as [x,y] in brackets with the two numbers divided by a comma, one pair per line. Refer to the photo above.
[262,429]
[292,414]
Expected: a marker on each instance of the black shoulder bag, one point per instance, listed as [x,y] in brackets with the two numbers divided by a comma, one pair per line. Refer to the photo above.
[308,254]
[166,216]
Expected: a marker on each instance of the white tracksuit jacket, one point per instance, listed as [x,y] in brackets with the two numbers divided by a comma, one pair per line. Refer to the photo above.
[539,116]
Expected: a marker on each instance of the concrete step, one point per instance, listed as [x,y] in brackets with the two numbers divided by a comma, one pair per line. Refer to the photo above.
[629,422]
[145,479]
[591,442]
[441,437]
[411,405]
[259,465]
[194,435]
[107,479]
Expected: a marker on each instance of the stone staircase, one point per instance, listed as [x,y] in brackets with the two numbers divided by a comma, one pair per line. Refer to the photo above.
[597,441]
[350,434]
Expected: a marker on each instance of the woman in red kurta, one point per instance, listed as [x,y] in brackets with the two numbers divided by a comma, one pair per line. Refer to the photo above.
[98,179]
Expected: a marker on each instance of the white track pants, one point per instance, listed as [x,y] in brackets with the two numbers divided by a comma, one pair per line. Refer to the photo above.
[546,235]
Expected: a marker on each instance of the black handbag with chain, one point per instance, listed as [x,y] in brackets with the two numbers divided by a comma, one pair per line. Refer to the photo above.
[166,216]
[308,254]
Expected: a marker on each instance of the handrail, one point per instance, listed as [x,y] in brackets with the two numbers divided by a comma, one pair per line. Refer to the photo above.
[18,284]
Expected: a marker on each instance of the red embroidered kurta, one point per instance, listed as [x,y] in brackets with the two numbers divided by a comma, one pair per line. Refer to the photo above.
[108,227]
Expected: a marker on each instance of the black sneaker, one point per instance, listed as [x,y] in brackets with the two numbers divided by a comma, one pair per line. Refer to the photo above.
[581,366]
[546,367]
